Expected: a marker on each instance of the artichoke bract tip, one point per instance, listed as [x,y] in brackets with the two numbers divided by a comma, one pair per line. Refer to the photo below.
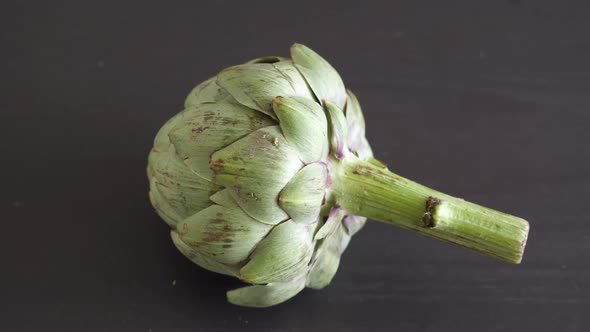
[266,174]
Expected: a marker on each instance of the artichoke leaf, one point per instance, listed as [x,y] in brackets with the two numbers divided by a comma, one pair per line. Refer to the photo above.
[203,261]
[185,192]
[364,151]
[338,130]
[255,169]
[162,141]
[255,85]
[224,198]
[327,260]
[355,122]
[344,240]
[353,224]
[228,234]
[211,127]
[160,204]
[206,92]
[356,139]
[280,256]
[334,218]
[321,76]
[305,126]
[261,296]
[303,195]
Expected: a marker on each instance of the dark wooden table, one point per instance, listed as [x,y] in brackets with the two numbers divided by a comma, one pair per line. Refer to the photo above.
[486,100]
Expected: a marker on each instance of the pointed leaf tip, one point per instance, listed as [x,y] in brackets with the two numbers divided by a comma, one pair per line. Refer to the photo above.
[338,130]
[304,125]
[302,196]
[323,79]
[280,256]
[260,296]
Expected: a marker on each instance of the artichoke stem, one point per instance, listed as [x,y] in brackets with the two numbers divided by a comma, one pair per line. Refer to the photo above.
[368,189]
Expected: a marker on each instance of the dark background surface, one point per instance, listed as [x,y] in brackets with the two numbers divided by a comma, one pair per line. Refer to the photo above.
[486,100]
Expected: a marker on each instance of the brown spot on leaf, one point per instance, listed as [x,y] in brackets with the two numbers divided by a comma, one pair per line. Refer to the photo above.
[183,230]
[216,165]
[230,122]
[196,131]
[213,236]
[208,115]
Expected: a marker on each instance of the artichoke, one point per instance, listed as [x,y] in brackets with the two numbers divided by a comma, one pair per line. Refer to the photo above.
[266,174]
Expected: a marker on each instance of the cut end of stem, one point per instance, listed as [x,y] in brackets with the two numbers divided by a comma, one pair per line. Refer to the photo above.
[484,230]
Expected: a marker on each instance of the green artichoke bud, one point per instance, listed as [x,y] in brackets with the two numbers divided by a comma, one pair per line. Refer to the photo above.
[266,174]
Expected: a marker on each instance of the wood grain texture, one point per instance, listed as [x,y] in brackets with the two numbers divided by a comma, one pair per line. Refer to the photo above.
[488,101]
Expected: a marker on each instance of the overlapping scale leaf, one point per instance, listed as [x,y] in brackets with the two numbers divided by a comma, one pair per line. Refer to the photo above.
[203,261]
[303,195]
[180,187]
[225,233]
[328,256]
[338,130]
[304,125]
[255,85]
[281,256]
[260,296]
[162,141]
[206,92]
[164,210]
[357,142]
[363,150]
[353,224]
[209,127]
[334,219]
[255,169]
[344,240]
[333,239]
[355,121]
[224,198]
[323,79]
[180,192]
